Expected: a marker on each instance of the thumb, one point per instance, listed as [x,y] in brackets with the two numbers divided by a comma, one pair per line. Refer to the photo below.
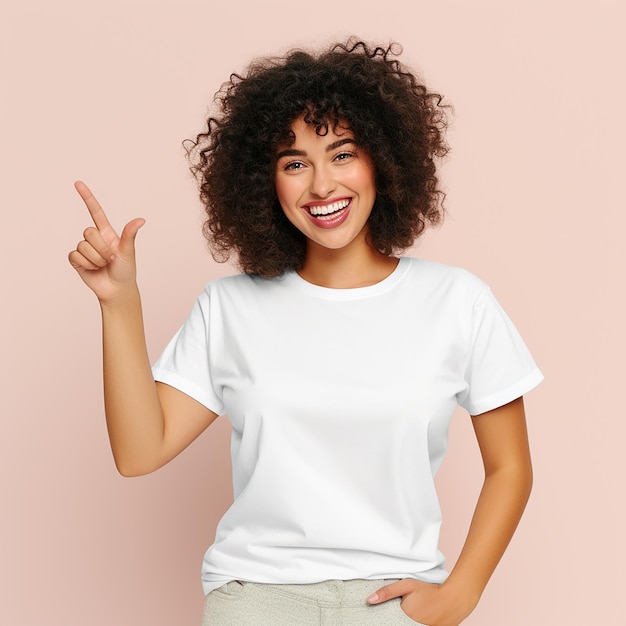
[126,244]
[394,590]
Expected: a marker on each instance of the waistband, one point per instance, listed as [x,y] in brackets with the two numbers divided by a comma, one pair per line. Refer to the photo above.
[327,592]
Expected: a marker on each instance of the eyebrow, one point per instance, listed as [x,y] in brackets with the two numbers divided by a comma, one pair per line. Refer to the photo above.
[329,148]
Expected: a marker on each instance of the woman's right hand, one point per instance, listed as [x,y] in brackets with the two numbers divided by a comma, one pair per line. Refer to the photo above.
[104,260]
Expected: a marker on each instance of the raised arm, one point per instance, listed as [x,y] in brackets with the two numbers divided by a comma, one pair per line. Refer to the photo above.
[148,423]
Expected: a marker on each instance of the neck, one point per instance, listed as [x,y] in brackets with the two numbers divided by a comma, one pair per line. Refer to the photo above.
[346,268]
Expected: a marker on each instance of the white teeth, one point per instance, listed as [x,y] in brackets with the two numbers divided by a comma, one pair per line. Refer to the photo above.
[329,208]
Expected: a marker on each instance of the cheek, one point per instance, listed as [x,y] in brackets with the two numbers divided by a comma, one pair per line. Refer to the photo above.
[365,184]
[287,191]
[364,178]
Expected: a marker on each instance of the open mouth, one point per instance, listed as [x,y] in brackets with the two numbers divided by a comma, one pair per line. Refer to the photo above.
[328,211]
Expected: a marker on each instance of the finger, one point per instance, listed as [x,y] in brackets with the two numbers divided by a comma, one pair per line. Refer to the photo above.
[127,240]
[80,263]
[94,238]
[95,210]
[394,590]
[91,254]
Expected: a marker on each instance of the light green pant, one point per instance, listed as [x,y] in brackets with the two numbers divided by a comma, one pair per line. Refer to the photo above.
[331,603]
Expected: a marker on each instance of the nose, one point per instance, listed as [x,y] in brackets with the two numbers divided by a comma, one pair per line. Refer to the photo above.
[322,182]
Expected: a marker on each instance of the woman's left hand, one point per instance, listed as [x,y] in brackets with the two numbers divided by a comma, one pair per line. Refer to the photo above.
[426,603]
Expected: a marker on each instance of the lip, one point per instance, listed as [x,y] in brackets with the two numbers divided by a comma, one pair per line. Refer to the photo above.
[326,202]
[338,218]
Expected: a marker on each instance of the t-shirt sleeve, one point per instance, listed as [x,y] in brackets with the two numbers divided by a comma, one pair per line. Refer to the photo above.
[499,366]
[186,361]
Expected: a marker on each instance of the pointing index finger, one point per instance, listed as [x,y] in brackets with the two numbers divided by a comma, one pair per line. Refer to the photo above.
[95,210]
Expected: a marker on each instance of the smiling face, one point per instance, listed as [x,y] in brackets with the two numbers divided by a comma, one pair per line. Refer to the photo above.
[326,186]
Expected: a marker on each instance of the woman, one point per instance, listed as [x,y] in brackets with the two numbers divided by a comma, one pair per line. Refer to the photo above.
[338,363]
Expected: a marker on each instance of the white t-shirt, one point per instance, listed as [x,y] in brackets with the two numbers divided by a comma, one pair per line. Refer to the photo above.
[340,401]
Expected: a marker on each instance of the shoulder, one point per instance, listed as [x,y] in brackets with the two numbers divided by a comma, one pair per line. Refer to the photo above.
[441,277]
[239,282]
[238,288]
[234,281]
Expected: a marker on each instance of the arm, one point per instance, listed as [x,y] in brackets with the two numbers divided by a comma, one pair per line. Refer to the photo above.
[148,423]
[503,443]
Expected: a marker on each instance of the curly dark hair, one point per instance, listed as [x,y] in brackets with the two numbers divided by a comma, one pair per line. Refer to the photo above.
[392,115]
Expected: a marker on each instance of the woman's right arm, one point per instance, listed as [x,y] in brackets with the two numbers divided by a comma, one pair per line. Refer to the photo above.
[148,423]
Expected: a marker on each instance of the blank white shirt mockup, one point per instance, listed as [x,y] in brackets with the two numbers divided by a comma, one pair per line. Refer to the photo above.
[340,401]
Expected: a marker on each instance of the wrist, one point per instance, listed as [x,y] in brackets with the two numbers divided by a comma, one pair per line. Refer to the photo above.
[124,299]
[466,592]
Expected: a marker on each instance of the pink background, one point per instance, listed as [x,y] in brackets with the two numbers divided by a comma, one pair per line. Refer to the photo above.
[107,91]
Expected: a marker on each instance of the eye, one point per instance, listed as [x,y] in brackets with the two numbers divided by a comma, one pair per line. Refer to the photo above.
[344,156]
[293,166]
